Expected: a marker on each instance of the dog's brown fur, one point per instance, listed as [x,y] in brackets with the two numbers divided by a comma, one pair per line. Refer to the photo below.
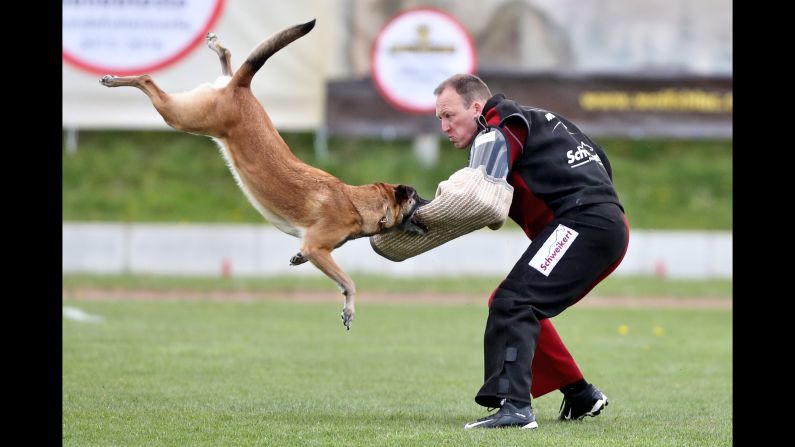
[299,199]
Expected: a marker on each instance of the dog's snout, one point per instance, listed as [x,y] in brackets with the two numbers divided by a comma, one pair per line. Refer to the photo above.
[418,201]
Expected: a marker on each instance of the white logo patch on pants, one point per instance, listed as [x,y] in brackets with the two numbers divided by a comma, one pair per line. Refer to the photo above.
[553,249]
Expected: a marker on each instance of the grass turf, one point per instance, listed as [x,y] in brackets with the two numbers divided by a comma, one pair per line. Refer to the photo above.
[287,373]
[634,286]
[172,177]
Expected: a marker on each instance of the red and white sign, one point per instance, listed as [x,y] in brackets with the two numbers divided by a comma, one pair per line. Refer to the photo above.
[127,37]
[414,52]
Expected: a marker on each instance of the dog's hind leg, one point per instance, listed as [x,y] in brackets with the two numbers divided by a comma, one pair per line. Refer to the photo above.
[162,101]
[143,83]
[223,54]
[159,98]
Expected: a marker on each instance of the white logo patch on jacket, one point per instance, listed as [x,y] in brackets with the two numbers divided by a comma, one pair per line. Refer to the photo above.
[582,155]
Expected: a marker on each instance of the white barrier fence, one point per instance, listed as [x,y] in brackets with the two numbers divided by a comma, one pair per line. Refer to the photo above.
[247,250]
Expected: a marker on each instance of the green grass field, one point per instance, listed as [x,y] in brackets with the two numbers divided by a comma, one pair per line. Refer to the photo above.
[632,286]
[281,373]
[287,373]
[174,177]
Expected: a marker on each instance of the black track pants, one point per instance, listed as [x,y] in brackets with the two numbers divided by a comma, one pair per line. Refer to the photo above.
[563,263]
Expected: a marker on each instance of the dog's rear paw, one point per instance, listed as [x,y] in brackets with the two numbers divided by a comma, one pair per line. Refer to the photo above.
[211,39]
[107,80]
[347,318]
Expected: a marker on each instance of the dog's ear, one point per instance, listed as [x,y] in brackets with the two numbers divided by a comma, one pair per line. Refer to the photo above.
[407,194]
[402,193]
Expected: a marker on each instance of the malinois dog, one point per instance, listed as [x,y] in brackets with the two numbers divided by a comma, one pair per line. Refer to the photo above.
[296,198]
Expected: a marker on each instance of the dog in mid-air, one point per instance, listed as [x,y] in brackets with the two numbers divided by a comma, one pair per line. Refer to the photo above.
[296,198]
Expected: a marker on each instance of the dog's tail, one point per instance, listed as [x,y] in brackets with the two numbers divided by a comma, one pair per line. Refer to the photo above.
[266,49]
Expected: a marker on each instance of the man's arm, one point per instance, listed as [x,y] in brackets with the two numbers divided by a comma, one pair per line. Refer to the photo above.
[490,150]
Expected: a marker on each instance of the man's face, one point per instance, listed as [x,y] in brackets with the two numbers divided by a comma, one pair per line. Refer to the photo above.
[458,122]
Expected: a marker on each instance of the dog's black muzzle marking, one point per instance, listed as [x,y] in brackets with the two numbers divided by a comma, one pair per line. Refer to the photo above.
[411,225]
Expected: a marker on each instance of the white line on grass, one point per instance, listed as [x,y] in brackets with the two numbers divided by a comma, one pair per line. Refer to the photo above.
[76,314]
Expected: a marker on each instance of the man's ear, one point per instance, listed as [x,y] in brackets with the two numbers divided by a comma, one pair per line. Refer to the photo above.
[478,107]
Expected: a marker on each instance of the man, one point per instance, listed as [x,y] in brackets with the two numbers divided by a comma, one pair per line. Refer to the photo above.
[565,202]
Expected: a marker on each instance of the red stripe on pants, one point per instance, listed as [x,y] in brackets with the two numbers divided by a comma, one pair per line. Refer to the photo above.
[553,366]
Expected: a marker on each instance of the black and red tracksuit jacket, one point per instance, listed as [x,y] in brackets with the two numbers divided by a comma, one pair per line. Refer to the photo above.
[552,165]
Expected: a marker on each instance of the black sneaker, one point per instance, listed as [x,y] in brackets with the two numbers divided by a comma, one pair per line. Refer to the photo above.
[588,402]
[508,416]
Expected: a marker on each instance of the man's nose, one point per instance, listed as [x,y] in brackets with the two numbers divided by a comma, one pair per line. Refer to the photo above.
[445,126]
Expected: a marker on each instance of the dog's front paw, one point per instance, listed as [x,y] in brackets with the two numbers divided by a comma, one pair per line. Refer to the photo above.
[298,259]
[107,80]
[347,317]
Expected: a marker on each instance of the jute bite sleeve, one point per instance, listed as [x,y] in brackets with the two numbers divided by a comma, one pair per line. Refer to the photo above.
[469,200]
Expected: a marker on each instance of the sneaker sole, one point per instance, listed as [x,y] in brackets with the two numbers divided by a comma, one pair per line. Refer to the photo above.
[531,426]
